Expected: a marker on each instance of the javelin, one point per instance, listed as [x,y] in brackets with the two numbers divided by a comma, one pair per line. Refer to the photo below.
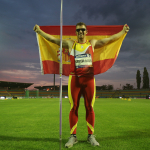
[60,72]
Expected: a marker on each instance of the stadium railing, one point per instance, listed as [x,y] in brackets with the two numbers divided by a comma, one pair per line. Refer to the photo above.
[99,93]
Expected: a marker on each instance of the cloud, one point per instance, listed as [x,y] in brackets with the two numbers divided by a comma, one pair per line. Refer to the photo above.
[26,74]
[19,56]
[133,12]
[31,65]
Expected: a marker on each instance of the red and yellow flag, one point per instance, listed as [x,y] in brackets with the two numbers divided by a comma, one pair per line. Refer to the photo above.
[103,58]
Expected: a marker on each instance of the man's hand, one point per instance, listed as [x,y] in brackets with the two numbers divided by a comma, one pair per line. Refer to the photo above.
[126,28]
[36,28]
[67,44]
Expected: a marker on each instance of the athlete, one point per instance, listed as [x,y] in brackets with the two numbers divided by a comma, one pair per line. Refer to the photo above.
[81,78]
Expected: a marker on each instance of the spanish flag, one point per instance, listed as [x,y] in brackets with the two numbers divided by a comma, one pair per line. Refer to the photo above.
[103,58]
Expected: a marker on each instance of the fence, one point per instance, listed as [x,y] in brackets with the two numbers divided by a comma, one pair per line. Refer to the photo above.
[123,93]
[99,93]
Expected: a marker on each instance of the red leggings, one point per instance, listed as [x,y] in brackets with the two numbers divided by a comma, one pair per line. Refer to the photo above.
[78,86]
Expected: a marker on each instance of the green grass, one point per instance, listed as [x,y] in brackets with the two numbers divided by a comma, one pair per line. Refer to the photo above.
[33,124]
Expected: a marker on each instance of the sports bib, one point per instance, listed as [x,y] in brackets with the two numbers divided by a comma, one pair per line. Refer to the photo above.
[83,60]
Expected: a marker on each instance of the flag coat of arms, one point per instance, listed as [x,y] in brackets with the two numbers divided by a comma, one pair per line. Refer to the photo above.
[103,58]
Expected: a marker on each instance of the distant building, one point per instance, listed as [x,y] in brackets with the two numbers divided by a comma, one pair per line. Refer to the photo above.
[51,88]
[56,87]
[14,85]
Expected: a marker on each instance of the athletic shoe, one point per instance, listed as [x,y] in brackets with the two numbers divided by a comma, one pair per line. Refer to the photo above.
[92,140]
[72,140]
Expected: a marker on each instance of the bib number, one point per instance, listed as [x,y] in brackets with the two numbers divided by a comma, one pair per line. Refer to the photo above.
[83,60]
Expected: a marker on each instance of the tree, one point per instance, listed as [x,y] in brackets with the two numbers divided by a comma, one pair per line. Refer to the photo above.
[110,87]
[127,87]
[145,79]
[104,87]
[138,79]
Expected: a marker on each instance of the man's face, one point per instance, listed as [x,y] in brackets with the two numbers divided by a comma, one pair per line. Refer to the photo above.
[81,31]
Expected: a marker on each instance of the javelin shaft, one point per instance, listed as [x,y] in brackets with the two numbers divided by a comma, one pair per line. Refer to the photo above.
[60,71]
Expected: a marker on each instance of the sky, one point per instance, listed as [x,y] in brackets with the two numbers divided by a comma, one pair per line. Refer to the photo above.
[19,54]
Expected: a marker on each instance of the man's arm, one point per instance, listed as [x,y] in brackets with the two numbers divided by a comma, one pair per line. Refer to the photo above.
[103,42]
[65,43]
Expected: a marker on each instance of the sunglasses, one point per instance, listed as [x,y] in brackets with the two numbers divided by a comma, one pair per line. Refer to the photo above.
[82,29]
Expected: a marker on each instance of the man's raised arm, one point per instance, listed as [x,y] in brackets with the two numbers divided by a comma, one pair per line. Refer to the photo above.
[65,43]
[103,42]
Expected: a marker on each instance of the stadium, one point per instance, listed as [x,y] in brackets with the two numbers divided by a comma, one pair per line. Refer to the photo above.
[30,118]
[9,90]
[93,40]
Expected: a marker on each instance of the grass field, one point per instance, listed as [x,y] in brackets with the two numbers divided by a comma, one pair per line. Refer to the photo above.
[33,124]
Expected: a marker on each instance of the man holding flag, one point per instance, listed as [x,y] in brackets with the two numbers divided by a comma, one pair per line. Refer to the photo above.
[81,77]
